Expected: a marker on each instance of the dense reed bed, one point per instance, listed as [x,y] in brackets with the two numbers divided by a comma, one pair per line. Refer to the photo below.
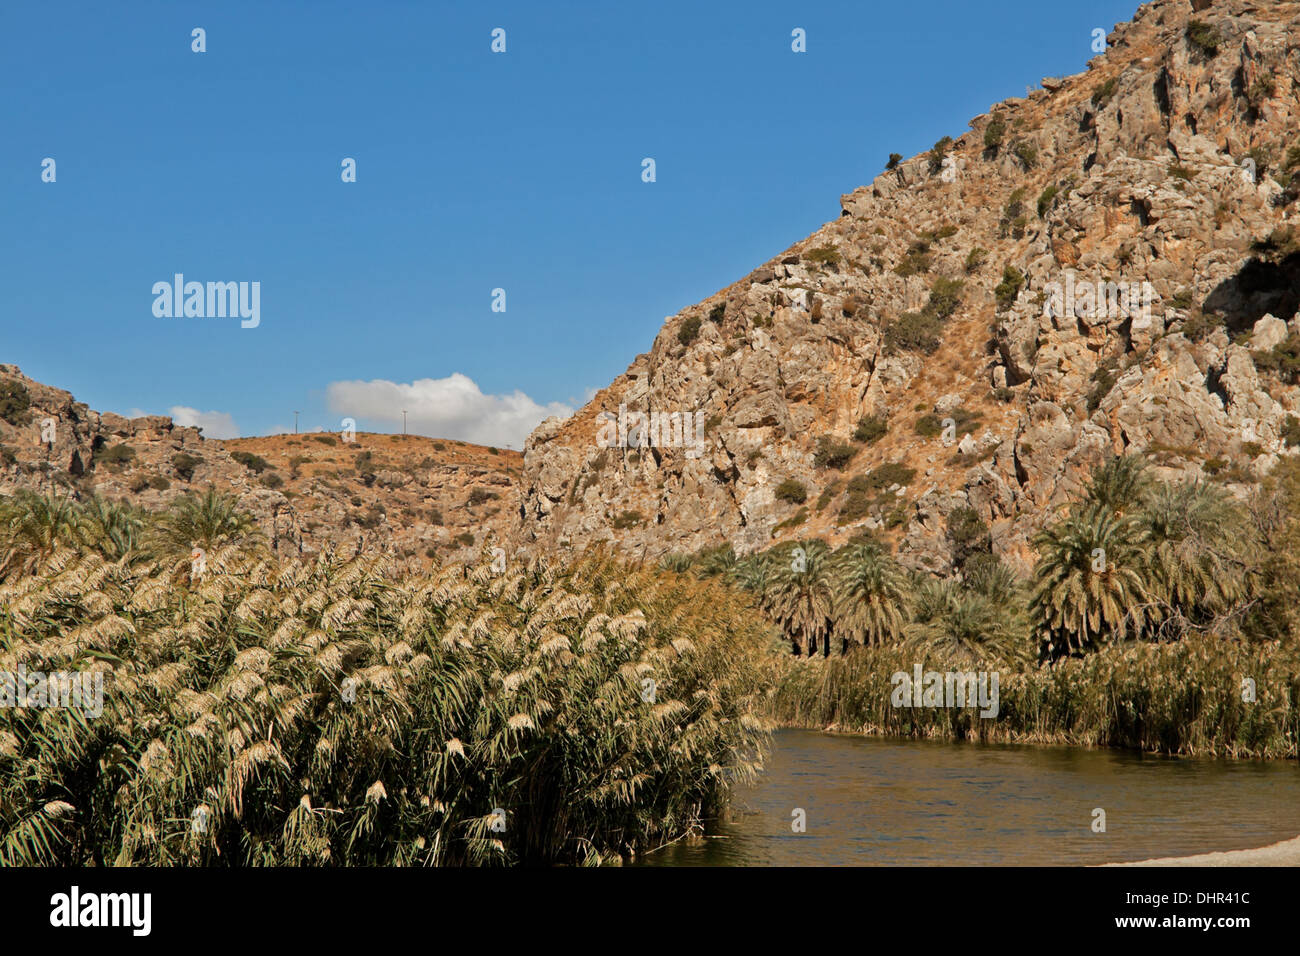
[1187,697]
[258,712]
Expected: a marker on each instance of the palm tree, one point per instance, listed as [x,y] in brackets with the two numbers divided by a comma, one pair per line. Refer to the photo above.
[1121,485]
[962,627]
[714,561]
[802,594]
[33,525]
[1090,581]
[204,521]
[1198,537]
[870,595]
[754,573]
[112,528]
[989,575]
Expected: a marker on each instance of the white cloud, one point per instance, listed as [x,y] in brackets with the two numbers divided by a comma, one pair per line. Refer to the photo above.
[451,407]
[214,424]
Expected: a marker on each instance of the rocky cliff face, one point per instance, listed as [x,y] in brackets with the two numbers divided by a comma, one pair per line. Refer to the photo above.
[940,345]
[412,495]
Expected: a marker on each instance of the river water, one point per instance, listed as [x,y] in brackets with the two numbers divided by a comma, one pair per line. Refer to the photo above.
[876,801]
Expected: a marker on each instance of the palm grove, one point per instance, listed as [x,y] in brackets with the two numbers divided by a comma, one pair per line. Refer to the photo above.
[1131,558]
[1159,615]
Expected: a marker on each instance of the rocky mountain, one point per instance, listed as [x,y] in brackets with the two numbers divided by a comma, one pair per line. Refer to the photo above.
[1109,263]
[413,495]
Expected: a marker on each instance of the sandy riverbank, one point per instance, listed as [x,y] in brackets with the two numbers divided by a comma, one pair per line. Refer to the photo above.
[1286,853]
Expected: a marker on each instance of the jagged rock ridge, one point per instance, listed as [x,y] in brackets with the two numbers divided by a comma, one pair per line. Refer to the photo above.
[1168,162]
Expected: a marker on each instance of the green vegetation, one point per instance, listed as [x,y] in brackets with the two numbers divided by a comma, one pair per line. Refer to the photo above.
[945,296]
[325,439]
[916,260]
[116,456]
[1046,198]
[922,331]
[1006,291]
[1026,152]
[15,402]
[871,428]
[628,519]
[1148,605]
[968,536]
[938,152]
[481,495]
[689,330]
[965,422]
[1180,698]
[1282,360]
[718,312]
[1104,93]
[1282,243]
[254,463]
[796,519]
[994,132]
[975,258]
[832,453]
[1204,37]
[1291,431]
[894,160]
[184,464]
[823,256]
[830,491]
[792,490]
[872,491]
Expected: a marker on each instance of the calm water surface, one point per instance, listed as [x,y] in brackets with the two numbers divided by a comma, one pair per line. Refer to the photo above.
[879,801]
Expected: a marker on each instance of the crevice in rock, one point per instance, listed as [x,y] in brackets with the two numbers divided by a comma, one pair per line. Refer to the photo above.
[1161,90]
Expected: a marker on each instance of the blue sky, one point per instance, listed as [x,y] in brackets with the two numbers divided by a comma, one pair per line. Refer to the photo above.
[475,171]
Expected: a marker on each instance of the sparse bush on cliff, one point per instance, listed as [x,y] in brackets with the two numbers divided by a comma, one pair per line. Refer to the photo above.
[689,330]
[870,428]
[15,402]
[254,463]
[994,131]
[184,464]
[791,490]
[938,152]
[913,331]
[116,456]
[832,453]
[1006,291]
[1204,37]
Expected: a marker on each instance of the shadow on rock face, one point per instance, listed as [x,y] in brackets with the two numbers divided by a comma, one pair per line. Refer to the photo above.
[1262,287]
